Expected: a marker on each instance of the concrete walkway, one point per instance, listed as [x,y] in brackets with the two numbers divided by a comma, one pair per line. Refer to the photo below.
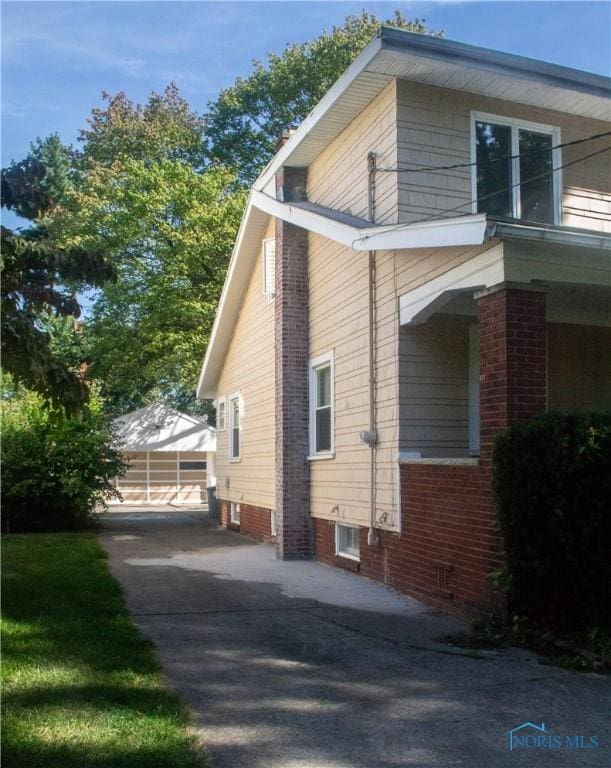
[299,665]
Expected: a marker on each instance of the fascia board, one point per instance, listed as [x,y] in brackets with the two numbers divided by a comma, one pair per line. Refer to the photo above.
[231,296]
[313,222]
[319,111]
[463,230]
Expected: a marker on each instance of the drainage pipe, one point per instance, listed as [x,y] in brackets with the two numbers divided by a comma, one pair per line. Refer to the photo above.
[371,437]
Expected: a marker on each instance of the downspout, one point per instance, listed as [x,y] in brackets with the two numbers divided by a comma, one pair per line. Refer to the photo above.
[371,437]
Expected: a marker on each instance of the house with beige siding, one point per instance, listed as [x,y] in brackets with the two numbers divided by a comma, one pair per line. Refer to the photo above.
[425,261]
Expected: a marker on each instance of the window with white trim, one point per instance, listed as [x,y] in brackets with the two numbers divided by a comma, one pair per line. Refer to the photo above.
[220,414]
[234,513]
[269,268]
[513,174]
[273,528]
[235,435]
[322,406]
[347,541]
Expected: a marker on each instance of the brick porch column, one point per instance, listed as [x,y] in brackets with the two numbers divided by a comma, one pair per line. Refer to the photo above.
[294,530]
[513,360]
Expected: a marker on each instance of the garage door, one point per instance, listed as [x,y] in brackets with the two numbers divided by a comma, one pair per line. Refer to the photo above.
[164,477]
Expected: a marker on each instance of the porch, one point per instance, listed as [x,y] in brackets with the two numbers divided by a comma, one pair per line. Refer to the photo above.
[478,354]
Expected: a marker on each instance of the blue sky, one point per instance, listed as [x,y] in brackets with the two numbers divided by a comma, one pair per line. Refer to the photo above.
[59,56]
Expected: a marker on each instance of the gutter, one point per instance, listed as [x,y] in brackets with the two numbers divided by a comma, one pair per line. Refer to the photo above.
[546,234]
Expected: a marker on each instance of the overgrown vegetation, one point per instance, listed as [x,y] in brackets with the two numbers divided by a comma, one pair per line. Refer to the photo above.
[81,687]
[552,486]
[56,469]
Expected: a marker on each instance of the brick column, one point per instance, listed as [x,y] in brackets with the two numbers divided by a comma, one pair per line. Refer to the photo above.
[513,360]
[294,530]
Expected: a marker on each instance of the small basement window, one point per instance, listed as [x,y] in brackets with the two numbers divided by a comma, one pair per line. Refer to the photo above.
[234,513]
[347,541]
[273,522]
[189,465]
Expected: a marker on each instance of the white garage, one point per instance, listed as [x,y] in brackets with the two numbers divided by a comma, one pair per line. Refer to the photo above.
[170,456]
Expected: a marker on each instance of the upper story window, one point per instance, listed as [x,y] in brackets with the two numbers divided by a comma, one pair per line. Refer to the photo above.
[234,427]
[269,268]
[321,406]
[513,176]
[220,414]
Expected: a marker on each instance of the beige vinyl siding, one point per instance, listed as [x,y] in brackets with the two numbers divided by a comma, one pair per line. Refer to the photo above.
[338,321]
[249,370]
[434,387]
[434,127]
[338,176]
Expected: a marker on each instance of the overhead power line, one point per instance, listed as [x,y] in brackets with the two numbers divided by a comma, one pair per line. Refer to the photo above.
[470,203]
[417,168]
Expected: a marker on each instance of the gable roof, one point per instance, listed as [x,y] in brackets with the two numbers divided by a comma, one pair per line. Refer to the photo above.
[158,427]
[393,53]
[435,61]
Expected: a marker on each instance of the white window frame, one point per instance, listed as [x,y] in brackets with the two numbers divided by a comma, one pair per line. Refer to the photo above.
[234,513]
[230,400]
[338,547]
[315,363]
[221,407]
[273,525]
[516,125]
[266,292]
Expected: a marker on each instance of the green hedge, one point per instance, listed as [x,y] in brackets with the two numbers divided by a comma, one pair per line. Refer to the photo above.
[55,470]
[552,488]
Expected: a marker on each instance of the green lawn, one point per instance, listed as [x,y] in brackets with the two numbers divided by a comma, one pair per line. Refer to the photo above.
[81,686]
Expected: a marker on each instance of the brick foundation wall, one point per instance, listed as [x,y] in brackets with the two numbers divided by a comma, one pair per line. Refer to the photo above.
[254,521]
[447,545]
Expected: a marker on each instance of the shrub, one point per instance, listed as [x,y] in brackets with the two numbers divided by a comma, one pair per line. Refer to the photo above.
[55,470]
[552,489]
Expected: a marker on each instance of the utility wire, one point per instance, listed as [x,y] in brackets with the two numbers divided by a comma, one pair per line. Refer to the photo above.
[417,168]
[440,214]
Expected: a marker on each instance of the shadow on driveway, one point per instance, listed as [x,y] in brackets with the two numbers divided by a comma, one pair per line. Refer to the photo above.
[299,665]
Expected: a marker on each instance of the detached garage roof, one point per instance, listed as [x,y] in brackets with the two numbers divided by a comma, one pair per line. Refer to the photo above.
[157,427]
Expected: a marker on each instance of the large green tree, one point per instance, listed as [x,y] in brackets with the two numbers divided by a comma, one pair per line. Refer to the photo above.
[40,278]
[144,198]
[245,122]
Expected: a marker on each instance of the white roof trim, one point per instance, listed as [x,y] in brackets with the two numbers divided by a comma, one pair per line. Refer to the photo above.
[319,111]
[481,271]
[398,54]
[463,230]
[460,230]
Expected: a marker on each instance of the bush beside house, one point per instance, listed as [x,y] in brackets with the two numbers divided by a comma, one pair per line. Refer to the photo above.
[552,487]
[55,469]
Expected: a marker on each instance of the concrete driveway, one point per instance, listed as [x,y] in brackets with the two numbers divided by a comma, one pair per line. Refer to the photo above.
[299,665]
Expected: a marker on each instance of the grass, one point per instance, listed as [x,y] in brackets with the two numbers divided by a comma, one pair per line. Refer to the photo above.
[81,686]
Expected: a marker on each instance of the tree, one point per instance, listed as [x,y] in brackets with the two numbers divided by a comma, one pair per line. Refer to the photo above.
[40,278]
[57,470]
[167,224]
[244,123]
